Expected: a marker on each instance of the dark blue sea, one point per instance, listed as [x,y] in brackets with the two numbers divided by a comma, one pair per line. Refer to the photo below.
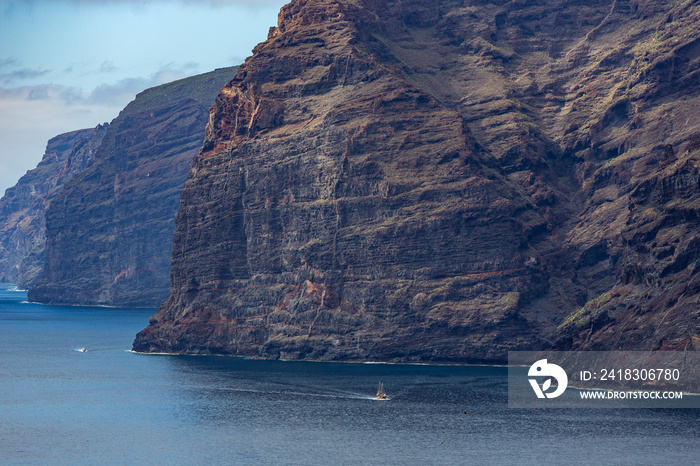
[111,406]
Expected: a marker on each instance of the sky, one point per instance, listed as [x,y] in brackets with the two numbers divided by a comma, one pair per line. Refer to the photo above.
[74,64]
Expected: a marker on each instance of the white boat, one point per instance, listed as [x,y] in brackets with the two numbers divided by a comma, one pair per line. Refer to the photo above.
[83,350]
[381,394]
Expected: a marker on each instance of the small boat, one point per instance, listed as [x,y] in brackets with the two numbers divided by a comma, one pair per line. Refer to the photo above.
[83,350]
[381,394]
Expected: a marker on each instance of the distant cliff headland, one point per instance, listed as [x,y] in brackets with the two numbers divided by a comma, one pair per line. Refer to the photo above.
[23,207]
[417,181]
[93,223]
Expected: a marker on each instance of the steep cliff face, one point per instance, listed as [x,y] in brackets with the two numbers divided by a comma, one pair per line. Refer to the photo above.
[436,181]
[109,232]
[654,303]
[23,207]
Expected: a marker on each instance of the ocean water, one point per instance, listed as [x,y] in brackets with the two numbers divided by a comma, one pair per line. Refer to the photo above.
[111,406]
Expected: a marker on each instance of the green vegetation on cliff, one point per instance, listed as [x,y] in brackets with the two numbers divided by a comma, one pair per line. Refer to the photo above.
[445,181]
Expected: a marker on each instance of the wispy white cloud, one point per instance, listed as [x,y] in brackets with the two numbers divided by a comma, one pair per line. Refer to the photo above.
[6,62]
[31,115]
[100,54]
[249,3]
[20,75]
[114,94]
[108,67]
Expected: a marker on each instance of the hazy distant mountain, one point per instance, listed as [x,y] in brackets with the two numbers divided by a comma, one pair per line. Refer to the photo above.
[23,207]
[109,232]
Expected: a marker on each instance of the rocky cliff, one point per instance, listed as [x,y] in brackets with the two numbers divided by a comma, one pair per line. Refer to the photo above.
[444,181]
[23,207]
[109,232]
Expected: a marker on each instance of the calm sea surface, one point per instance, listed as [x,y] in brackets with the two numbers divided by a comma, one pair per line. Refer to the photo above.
[110,406]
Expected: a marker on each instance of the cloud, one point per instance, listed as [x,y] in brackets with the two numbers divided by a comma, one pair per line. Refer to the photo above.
[7,62]
[10,75]
[31,115]
[117,94]
[216,3]
[121,91]
[233,2]
[113,94]
[38,93]
[108,67]
[133,45]
[18,75]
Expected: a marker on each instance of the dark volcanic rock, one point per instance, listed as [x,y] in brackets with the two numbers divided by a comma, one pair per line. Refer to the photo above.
[109,232]
[654,303]
[444,181]
[23,207]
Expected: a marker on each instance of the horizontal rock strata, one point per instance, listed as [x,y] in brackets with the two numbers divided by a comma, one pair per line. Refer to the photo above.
[445,181]
[23,207]
[109,232]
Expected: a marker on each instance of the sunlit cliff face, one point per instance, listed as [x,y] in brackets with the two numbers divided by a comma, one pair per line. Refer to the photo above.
[419,181]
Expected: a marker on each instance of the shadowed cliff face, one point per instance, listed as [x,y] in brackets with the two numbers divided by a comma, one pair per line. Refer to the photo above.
[436,181]
[109,232]
[23,207]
